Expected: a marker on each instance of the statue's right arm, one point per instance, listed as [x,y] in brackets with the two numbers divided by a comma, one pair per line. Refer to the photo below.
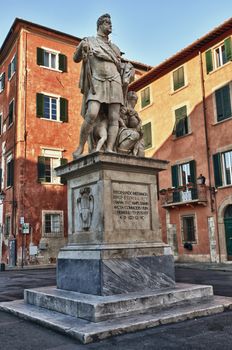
[77,57]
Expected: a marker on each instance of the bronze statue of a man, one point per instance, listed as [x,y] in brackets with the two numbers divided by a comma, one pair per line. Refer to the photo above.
[100,82]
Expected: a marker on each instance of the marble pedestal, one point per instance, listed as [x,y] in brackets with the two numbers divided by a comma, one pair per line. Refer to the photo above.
[115,243]
[115,275]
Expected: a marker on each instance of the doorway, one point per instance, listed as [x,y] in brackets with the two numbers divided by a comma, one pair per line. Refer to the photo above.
[228,230]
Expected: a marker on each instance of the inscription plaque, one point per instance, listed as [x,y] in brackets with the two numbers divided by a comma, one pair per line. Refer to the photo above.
[131,206]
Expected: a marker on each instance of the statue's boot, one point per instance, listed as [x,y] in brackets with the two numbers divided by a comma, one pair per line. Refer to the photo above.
[86,129]
[111,138]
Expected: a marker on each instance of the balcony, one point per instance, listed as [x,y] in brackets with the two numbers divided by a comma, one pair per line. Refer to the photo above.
[189,195]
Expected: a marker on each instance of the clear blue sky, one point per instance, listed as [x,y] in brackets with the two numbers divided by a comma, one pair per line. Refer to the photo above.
[148,31]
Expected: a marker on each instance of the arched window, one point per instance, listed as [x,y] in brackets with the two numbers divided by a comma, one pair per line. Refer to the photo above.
[228,211]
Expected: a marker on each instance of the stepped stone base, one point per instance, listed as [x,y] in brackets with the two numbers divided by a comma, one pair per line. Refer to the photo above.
[113,315]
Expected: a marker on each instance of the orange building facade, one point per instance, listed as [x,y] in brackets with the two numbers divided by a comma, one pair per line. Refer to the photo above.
[186,109]
[40,120]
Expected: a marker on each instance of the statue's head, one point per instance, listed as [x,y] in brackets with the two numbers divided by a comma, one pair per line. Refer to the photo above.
[106,21]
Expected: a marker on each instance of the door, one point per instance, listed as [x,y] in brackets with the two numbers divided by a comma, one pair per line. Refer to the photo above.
[228,231]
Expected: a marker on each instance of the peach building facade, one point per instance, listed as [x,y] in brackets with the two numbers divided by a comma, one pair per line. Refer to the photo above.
[185,104]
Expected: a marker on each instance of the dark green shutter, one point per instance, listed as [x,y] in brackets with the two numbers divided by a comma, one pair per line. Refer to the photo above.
[223,103]
[11,113]
[63,110]
[175,182]
[179,128]
[145,97]
[147,135]
[63,161]
[217,169]
[3,80]
[39,105]
[228,49]
[14,63]
[209,61]
[41,169]
[40,56]
[63,63]
[0,179]
[10,173]
[9,71]
[192,166]
[178,78]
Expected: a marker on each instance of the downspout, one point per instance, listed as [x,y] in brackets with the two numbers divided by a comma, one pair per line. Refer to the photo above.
[211,189]
[25,143]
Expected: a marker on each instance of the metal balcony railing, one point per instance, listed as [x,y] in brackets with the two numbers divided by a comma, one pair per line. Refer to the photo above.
[190,193]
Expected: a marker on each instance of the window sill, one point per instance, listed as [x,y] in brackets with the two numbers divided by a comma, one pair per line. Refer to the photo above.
[219,68]
[224,187]
[142,109]
[51,120]
[222,121]
[174,138]
[53,69]
[192,242]
[51,183]
[180,89]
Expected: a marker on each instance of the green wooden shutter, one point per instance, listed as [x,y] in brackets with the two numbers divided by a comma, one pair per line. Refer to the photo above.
[63,63]
[9,71]
[147,135]
[3,80]
[228,49]
[192,166]
[0,179]
[178,78]
[40,56]
[180,114]
[145,97]
[10,173]
[175,80]
[11,113]
[39,105]
[41,169]
[217,169]
[175,182]
[14,63]
[209,61]
[223,103]
[63,161]
[63,109]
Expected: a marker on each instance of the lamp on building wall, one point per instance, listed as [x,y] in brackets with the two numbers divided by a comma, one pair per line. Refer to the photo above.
[2,199]
[201,180]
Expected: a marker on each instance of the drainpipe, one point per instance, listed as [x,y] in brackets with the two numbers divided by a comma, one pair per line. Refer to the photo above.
[211,189]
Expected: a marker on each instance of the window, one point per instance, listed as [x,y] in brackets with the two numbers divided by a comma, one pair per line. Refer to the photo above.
[9,171]
[12,68]
[178,78]
[147,136]
[51,108]
[52,223]
[223,102]
[181,124]
[8,226]
[2,82]
[218,56]
[51,59]
[145,97]
[188,228]
[11,113]
[183,174]
[223,168]
[47,163]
